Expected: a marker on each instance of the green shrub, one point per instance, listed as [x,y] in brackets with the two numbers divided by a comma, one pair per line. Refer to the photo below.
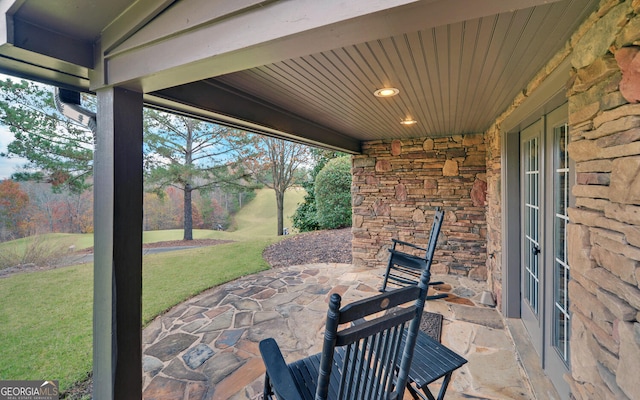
[333,194]
[305,217]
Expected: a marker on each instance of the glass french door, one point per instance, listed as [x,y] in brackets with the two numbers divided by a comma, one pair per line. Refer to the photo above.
[558,319]
[546,180]
[532,157]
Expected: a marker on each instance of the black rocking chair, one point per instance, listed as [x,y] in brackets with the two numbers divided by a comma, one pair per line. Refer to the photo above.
[432,360]
[367,360]
[404,268]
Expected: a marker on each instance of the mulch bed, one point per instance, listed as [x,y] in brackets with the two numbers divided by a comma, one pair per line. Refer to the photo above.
[331,246]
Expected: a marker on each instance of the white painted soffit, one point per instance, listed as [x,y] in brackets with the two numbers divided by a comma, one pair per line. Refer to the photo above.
[186,44]
[154,44]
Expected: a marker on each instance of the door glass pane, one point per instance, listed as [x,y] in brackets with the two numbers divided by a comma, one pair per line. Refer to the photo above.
[560,197]
[531,224]
[561,316]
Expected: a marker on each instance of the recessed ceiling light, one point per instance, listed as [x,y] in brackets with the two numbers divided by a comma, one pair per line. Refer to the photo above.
[386,92]
[408,121]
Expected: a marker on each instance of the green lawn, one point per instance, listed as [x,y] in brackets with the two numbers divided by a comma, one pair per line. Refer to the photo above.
[46,317]
[169,280]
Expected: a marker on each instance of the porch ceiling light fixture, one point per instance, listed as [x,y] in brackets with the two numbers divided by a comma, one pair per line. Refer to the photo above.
[386,92]
[408,121]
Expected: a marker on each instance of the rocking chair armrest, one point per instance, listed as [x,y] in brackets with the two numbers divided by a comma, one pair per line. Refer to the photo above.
[278,373]
[396,241]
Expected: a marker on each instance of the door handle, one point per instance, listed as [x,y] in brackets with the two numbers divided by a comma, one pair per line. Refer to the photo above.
[535,250]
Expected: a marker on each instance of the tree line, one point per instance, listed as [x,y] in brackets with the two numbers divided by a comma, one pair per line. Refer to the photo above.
[30,208]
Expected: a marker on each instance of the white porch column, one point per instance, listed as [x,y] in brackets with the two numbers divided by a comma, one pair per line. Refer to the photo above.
[117,304]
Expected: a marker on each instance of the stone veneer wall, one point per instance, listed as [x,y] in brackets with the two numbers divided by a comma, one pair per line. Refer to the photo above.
[396,187]
[604,234]
[393,182]
[604,229]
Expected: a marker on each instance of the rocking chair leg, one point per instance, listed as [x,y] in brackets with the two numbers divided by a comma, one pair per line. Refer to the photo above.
[443,388]
[266,393]
[415,394]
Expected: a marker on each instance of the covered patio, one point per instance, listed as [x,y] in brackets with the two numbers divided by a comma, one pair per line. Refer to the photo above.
[518,118]
[207,347]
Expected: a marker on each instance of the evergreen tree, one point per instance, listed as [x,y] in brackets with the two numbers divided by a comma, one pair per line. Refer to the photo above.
[191,155]
[59,151]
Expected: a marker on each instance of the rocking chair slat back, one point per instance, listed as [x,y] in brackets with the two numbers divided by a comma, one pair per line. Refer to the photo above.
[367,360]
[404,267]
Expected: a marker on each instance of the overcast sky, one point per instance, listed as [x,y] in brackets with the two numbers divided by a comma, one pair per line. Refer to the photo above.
[7,165]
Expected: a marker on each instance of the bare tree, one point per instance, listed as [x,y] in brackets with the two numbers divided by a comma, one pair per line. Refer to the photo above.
[276,166]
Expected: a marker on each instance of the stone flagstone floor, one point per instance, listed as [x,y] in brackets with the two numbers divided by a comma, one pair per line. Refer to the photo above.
[207,347]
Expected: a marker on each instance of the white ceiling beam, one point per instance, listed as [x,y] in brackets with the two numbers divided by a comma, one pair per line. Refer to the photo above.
[139,14]
[237,41]
[187,16]
[155,58]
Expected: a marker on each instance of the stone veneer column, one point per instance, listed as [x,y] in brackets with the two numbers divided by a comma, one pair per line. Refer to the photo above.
[604,233]
[396,187]
[494,213]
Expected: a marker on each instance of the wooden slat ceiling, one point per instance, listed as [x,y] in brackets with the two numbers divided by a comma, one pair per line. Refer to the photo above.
[453,79]
[458,64]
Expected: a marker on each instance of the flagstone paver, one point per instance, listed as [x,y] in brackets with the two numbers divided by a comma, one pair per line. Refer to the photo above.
[207,347]
[481,316]
[229,338]
[198,355]
[168,347]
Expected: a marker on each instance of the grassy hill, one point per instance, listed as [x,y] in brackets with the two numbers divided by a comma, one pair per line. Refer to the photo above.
[255,220]
[258,218]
